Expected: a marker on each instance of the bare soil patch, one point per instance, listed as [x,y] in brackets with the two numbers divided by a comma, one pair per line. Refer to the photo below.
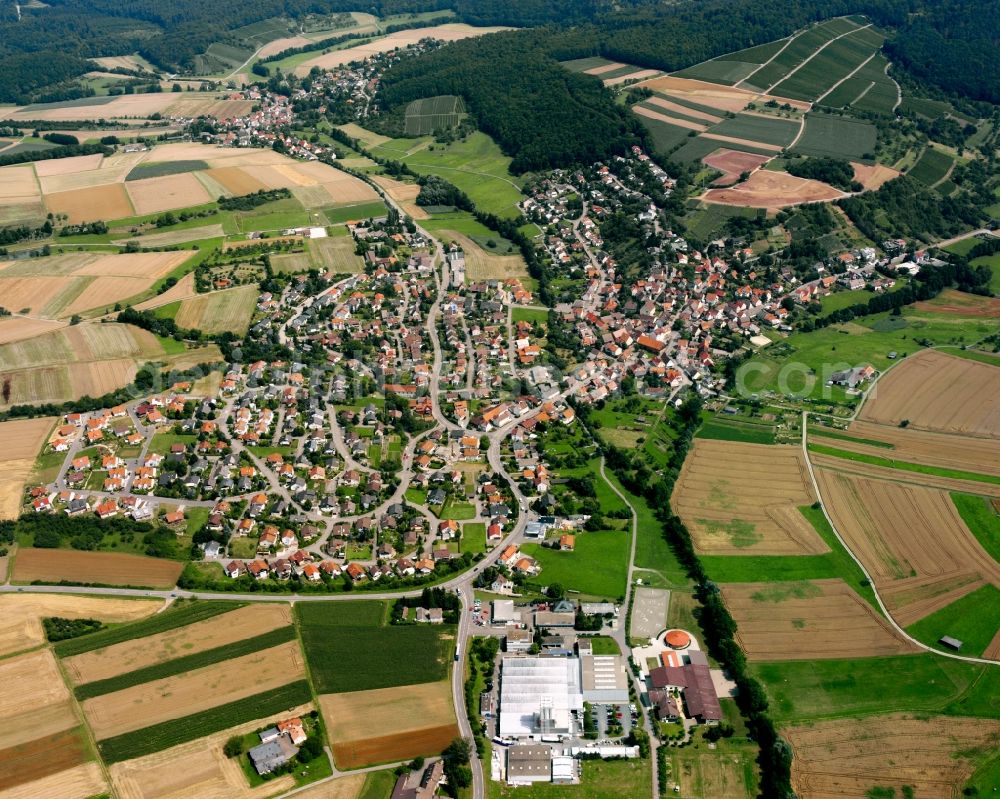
[873,176]
[108,568]
[743,499]
[23,440]
[198,769]
[808,620]
[935,391]
[23,613]
[766,189]
[152,195]
[602,68]
[237,625]
[92,204]
[184,694]
[390,748]
[733,163]
[714,95]
[640,74]
[847,757]
[41,757]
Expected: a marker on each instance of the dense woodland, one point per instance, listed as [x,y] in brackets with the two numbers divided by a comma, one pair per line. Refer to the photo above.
[948,43]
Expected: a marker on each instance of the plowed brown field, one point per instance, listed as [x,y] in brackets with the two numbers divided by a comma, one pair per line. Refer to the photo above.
[391,748]
[808,620]
[92,204]
[743,499]
[939,392]
[226,628]
[901,532]
[766,189]
[41,757]
[845,758]
[108,568]
[185,694]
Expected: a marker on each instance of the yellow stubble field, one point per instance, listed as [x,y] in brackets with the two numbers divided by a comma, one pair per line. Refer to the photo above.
[23,440]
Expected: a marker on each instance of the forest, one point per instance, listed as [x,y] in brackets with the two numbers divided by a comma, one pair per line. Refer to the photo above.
[948,43]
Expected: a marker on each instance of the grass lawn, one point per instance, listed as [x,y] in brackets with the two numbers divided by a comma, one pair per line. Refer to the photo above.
[242,548]
[47,466]
[474,537]
[597,567]
[982,521]
[755,568]
[891,463]
[814,689]
[611,779]
[533,315]
[378,784]
[457,510]
[348,213]
[971,619]
[162,442]
[993,262]
[416,496]
[603,645]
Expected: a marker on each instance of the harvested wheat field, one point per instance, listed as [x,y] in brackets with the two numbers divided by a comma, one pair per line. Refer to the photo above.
[873,176]
[958,303]
[185,694]
[856,468]
[93,204]
[108,568]
[88,341]
[227,628]
[639,74]
[901,532]
[181,290]
[18,184]
[67,166]
[844,758]
[923,446]
[808,620]
[341,788]
[22,614]
[771,190]
[219,311]
[149,265]
[387,724]
[30,687]
[366,137]
[912,598]
[449,32]
[939,392]
[32,294]
[198,769]
[110,172]
[131,105]
[23,440]
[19,328]
[102,293]
[153,195]
[744,499]
[482,265]
[235,180]
[80,782]
[336,254]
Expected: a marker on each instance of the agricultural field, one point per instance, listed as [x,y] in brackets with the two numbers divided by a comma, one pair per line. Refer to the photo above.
[219,311]
[958,303]
[199,768]
[911,539]
[425,117]
[597,566]
[932,167]
[131,107]
[151,703]
[42,747]
[836,62]
[873,756]
[743,499]
[938,392]
[759,129]
[24,612]
[105,568]
[480,264]
[349,647]
[23,440]
[335,254]
[808,620]
[226,629]
[474,164]
[389,724]
[449,32]
[837,137]
[970,619]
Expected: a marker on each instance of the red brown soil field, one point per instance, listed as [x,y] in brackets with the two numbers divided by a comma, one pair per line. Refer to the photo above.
[957,303]
[41,757]
[767,189]
[390,748]
[109,568]
[873,177]
[733,163]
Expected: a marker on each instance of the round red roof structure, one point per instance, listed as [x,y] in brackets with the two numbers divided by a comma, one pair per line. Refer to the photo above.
[678,639]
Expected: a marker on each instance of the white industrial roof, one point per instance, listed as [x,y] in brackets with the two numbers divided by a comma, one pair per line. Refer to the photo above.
[528,684]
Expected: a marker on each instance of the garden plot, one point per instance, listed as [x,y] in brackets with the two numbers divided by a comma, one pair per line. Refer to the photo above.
[744,499]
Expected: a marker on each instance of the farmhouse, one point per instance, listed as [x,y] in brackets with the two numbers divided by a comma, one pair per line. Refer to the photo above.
[695,683]
[266,757]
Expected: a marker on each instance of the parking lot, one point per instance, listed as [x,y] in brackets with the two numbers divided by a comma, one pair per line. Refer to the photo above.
[606,715]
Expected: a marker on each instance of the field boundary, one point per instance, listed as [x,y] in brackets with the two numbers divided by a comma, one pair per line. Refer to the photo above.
[878,597]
